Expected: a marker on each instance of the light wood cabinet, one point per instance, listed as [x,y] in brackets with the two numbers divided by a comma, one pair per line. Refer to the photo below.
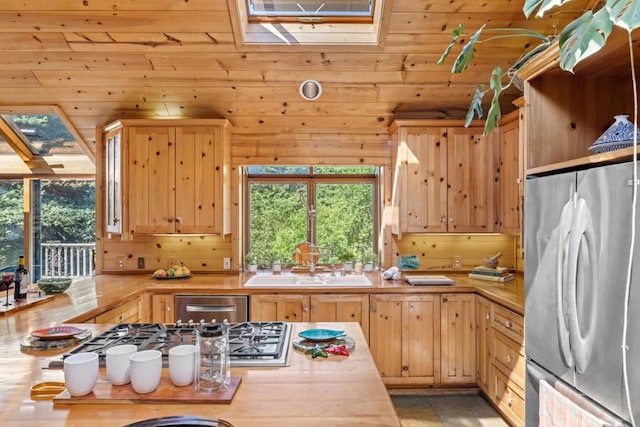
[484,341]
[508,364]
[113,178]
[163,308]
[128,312]
[566,112]
[458,339]
[311,308]
[443,177]
[404,338]
[510,175]
[178,176]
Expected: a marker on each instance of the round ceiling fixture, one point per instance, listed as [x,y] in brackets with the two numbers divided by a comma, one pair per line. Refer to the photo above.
[310,90]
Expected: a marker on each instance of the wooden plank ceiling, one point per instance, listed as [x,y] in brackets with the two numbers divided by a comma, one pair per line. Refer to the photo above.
[100,60]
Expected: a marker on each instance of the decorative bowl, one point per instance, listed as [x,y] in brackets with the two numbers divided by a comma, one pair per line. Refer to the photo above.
[618,135]
[54,286]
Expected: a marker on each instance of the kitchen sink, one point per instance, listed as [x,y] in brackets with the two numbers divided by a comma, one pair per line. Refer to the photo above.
[306,281]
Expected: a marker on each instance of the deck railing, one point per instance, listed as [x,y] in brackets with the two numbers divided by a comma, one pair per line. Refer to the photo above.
[67,259]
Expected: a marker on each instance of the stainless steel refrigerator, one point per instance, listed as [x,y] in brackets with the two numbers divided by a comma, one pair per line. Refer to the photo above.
[577,241]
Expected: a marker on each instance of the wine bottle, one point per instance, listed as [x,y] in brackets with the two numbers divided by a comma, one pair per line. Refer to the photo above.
[20,280]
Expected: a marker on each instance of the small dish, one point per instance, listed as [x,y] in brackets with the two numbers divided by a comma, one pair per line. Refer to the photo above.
[320,334]
[56,332]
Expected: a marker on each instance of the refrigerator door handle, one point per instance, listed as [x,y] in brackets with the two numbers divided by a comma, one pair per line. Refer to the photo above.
[583,262]
[562,255]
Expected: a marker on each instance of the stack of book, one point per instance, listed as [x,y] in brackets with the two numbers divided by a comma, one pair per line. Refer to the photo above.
[498,274]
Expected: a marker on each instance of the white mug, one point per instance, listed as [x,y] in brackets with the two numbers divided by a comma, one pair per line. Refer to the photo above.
[118,364]
[182,364]
[146,370]
[81,373]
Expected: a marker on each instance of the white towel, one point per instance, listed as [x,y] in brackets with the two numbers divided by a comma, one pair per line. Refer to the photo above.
[557,410]
[392,273]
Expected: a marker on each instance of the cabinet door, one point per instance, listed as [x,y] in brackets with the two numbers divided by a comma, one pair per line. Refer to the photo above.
[151,179]
[163,309]
[483,343]
[508,172]
[129,312]
[404,338]
[423,202]
[470,180]
[457,339]
[198,174]
[341,308]
[113,181]
[279,308]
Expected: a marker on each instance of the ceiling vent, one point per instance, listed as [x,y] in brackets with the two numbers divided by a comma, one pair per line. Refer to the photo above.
[310,90]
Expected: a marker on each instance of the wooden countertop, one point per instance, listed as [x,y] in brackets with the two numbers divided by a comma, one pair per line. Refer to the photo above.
[351,390]
[309,392]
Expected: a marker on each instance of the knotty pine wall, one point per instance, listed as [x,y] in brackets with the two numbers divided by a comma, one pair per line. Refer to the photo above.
[206,253]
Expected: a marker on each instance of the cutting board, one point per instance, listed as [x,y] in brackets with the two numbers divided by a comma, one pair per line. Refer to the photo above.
[166,392]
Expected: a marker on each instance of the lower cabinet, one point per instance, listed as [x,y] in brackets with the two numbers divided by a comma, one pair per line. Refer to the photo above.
[311,308]
[163,308]
[404,338]
[128,312]
[501,365]
[458,339]
[484,339]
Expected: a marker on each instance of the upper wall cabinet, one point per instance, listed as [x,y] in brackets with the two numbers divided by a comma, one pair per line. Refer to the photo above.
[510,174]
[443,177]
[177,176]
[565,113]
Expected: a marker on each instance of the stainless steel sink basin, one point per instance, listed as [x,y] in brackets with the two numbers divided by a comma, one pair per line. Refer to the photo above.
[306,281]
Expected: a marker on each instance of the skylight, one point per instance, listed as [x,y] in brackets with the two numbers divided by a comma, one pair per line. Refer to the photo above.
[39,140]
[309,22]
[316,10]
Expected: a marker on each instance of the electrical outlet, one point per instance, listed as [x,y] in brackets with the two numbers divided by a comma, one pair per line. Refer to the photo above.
[457,262]
[120,262]
[226,263]
[141,262]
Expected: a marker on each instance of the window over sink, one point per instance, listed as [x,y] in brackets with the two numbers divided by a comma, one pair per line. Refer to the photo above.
[278,200]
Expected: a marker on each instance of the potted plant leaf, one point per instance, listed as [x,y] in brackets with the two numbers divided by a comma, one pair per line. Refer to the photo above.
[577,41]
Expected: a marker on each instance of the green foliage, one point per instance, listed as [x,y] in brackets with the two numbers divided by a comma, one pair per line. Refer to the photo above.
[67,215]
[578,40]
[278,219]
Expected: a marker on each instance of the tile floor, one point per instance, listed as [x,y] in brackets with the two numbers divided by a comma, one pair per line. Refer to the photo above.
[433,410]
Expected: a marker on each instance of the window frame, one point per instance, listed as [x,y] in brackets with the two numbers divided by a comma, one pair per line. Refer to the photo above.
[310,180]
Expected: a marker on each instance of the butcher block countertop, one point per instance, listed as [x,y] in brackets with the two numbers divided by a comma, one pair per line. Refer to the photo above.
[336,391]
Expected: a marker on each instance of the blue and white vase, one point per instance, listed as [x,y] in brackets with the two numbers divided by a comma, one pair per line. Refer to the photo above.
[619,135]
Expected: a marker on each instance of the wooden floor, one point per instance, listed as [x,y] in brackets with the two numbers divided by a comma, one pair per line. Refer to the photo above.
[445,410]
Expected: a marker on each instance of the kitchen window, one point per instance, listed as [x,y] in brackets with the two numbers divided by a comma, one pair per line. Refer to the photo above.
[280,198]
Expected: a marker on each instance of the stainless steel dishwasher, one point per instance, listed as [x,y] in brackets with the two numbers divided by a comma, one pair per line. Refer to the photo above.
[234,308]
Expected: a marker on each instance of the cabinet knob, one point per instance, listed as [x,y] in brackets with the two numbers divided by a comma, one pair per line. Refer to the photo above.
[116,220]
[373,308]
[314,309]
[305,310]
[487,316]
[509,358]
[443,219]
[178,219]
[445,299]
[507,324]
[405,368]
[509,401]
[168,309]
[451,219]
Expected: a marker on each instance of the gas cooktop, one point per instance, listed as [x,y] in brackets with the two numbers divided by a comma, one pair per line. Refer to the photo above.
[250,343]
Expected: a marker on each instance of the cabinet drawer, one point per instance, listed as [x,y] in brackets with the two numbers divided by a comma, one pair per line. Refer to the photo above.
[128,312]
[509,323]
[509,398]
[509,358]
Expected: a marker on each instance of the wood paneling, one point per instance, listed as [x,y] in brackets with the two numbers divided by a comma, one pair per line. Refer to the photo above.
[144,58]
